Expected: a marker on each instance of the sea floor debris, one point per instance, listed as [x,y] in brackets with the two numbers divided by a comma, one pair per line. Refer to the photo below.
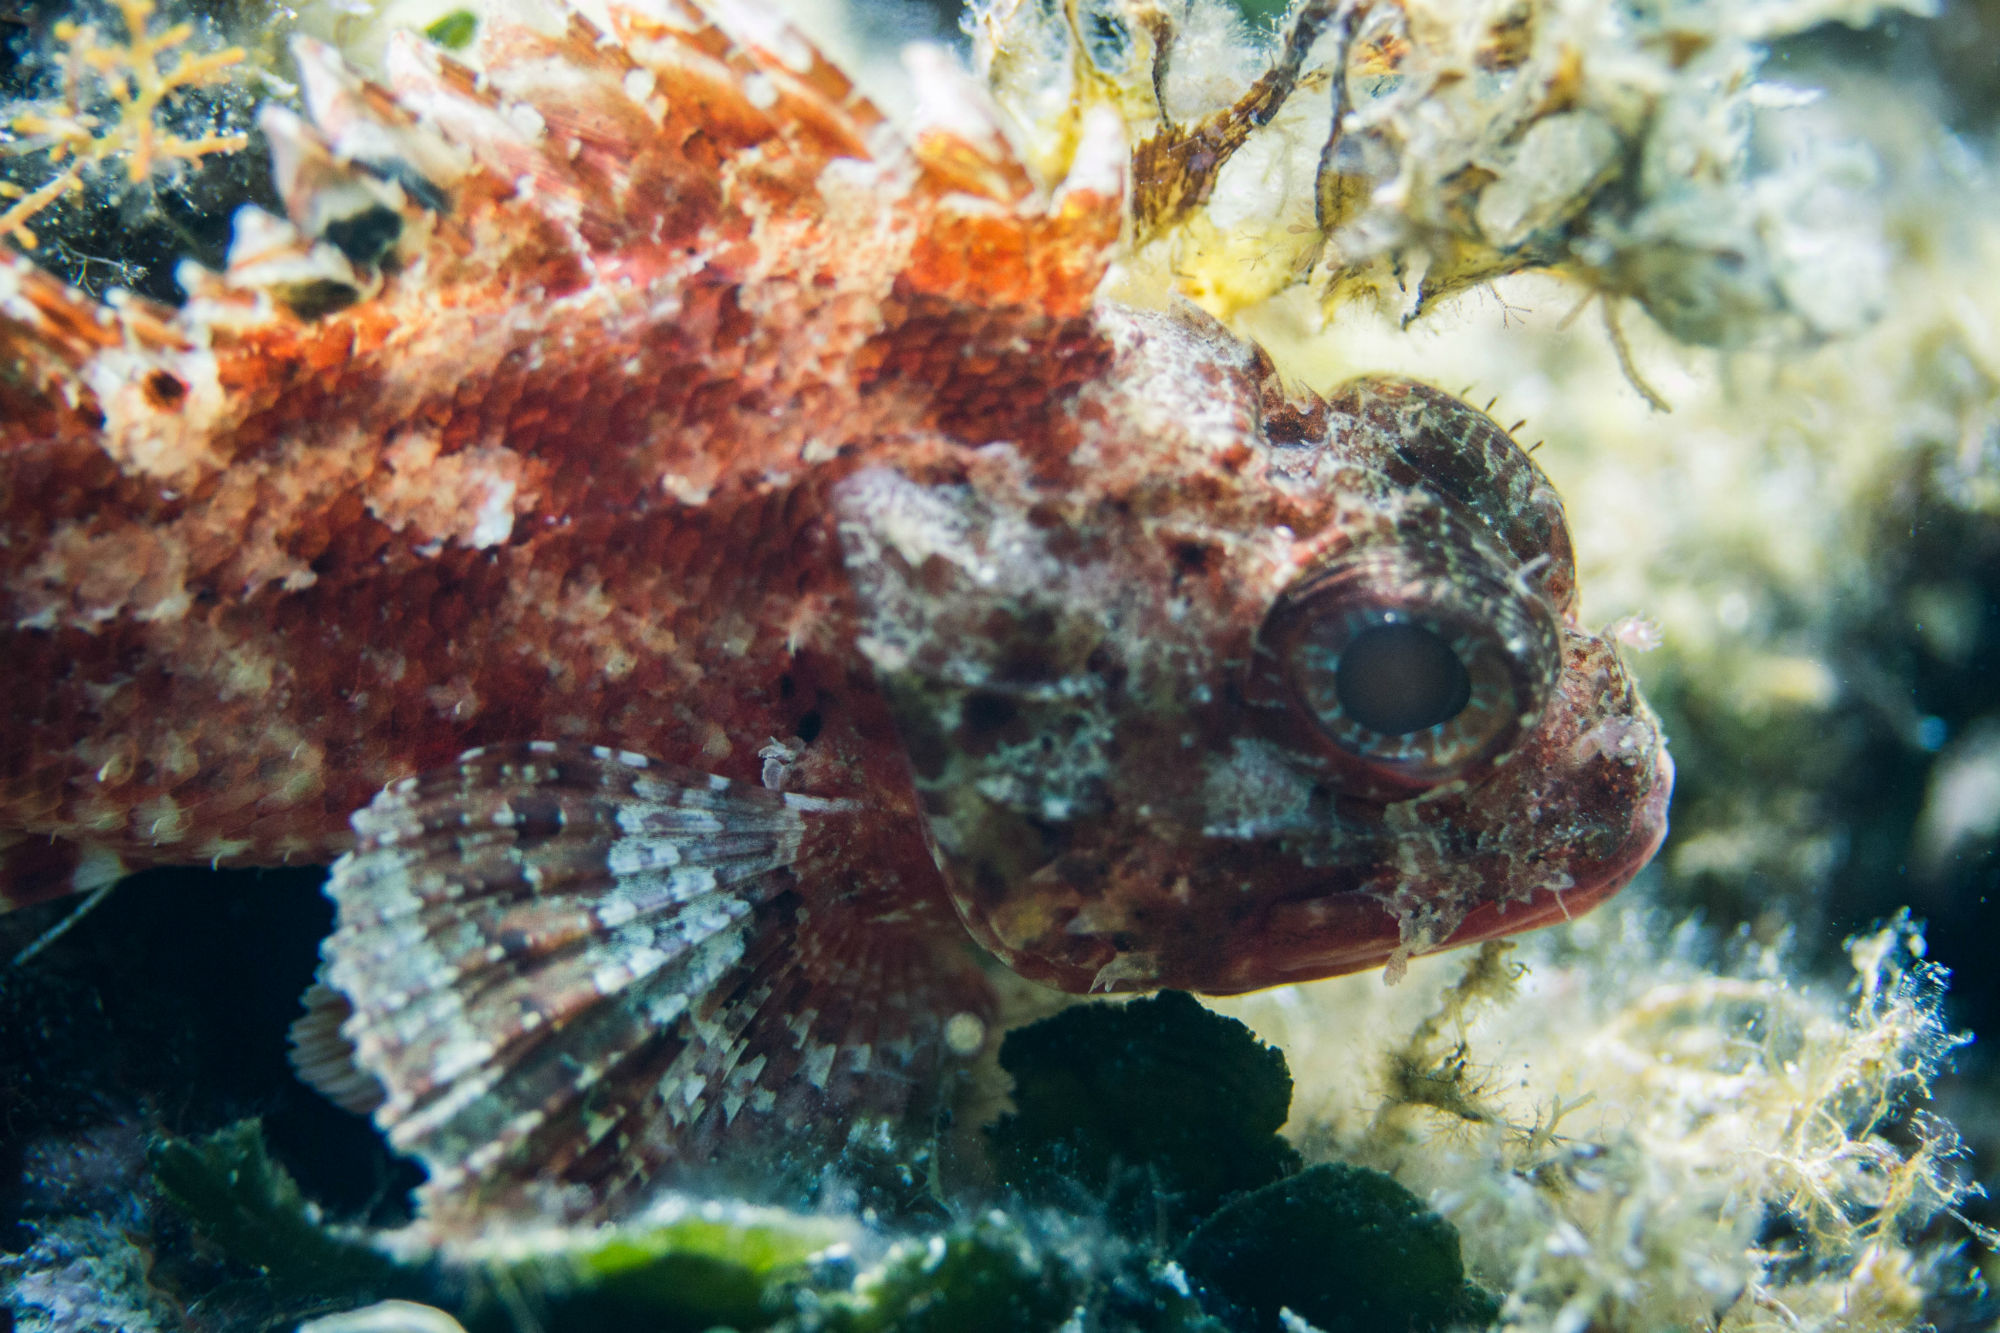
[1611,1128]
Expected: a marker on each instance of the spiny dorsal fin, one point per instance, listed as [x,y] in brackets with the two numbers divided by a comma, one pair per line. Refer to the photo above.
[633,134]
[365,123]
[802,94]
[578,975]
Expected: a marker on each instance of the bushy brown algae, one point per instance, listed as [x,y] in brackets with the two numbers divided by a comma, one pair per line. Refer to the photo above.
[1635,1139]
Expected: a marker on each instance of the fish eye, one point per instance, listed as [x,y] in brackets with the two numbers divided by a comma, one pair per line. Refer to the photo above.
[1400,670]
[1404,688]
[1396,679]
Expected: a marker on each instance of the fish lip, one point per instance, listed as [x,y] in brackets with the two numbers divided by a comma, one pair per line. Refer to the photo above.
[1345,929]
[1355,931]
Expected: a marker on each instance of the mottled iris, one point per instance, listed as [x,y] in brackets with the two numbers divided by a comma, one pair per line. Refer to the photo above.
[1416,668]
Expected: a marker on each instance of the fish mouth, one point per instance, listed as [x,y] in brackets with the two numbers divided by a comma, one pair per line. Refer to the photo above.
[1354,931]
[1305,937]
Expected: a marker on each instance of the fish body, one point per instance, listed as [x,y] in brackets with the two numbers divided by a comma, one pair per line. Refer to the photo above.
[701,556]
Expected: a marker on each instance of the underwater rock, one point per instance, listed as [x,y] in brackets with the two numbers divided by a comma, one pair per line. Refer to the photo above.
[1155,1111]
[82,1275]
[386,1317]
[161,1014]
[1343,1247]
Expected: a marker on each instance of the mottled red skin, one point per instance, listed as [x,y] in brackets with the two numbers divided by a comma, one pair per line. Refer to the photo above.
[1084,710]
[695,632]
[247,582]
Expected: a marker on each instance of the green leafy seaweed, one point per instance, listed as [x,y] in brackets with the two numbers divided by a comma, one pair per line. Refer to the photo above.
[1158,1110]
[982,1278]
[251,1209]
[1345,1248]
[454,32]
[692,1266]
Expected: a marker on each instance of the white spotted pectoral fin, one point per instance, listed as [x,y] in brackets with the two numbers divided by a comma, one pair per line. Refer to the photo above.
[576,975]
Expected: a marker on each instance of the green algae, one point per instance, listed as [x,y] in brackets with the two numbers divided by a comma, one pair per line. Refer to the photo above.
[1343,1247]
[1144,1142]
[1155,1111]
[455,31]
[684,1265]
[250,1207]
[987,1277]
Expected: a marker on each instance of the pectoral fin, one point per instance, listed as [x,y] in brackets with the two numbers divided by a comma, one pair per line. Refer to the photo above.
[578,974]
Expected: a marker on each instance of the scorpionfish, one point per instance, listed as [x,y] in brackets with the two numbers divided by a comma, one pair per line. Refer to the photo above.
[707,568]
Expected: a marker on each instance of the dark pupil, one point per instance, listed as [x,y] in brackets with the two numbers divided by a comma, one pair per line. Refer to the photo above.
[1396,679]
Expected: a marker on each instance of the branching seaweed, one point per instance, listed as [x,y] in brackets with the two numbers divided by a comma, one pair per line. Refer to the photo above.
[129,85]
[1431,1067]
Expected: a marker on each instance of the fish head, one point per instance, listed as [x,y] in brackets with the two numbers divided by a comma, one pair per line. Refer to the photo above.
[1240,686]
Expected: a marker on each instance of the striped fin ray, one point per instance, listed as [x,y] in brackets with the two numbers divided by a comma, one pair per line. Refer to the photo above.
[824,1034]
[577,975]
[759,57]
